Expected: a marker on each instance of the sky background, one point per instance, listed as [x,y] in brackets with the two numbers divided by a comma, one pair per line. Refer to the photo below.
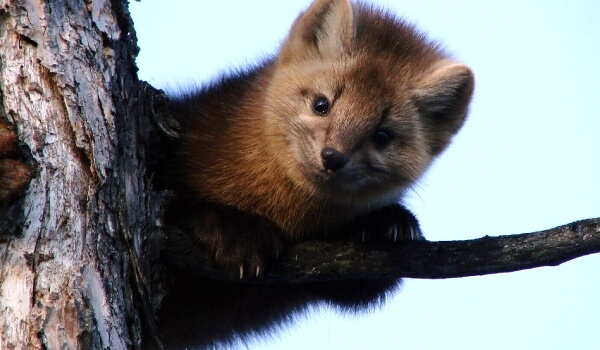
[527,159]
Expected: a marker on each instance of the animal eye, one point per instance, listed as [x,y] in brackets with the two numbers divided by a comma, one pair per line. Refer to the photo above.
[321,105]
[382,138]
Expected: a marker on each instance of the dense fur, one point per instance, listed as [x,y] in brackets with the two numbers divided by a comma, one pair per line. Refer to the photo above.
[252,142]
[322,140]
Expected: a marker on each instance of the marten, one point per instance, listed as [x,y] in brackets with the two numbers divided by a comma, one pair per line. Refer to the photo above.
[320,141]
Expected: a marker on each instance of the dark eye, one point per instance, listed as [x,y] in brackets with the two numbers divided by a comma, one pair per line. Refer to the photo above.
[321,105]
[382,138]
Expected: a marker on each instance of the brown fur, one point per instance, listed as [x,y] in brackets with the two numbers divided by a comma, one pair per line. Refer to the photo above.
[254,175]
[252,144]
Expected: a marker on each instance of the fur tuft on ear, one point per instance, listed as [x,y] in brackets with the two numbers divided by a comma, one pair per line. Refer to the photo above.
[326,29]
[442,98]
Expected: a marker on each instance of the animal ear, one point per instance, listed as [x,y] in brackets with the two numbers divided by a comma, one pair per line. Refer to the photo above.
[442,98]
[325,29]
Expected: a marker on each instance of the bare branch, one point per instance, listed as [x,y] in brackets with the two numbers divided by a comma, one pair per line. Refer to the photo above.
[335,260]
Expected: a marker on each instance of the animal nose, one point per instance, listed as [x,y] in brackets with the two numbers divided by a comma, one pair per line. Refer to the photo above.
[333,159]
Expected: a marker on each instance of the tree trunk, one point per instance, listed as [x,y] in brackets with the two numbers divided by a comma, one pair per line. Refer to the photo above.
[73,278]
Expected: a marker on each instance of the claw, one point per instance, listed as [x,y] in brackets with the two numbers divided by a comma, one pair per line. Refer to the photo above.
[257,271]
[394,233]
[416,233]
[241,271]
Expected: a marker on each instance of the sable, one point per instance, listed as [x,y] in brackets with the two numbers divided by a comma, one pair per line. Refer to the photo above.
[320,141]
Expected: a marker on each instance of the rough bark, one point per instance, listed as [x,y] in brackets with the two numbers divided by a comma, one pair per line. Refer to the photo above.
[334,260]
[73,278]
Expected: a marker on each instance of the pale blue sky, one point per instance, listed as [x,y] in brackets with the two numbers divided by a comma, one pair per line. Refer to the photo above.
[527,159]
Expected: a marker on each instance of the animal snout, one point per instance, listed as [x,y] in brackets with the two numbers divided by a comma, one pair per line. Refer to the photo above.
[333,159]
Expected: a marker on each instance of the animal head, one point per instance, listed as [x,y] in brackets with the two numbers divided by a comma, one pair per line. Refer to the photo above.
[361,102]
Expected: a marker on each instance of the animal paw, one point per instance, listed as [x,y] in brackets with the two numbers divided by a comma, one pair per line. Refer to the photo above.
[242,244]
[394,222]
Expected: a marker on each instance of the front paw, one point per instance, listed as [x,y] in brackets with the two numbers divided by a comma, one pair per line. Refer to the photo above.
[241,244]
[393,222]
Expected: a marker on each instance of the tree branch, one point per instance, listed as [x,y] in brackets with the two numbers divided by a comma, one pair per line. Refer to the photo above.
[320,260]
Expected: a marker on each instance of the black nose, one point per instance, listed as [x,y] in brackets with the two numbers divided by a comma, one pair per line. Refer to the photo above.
[333,159]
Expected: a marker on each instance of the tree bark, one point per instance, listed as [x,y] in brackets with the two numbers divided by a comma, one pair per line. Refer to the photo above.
[320,260]
[74,278]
